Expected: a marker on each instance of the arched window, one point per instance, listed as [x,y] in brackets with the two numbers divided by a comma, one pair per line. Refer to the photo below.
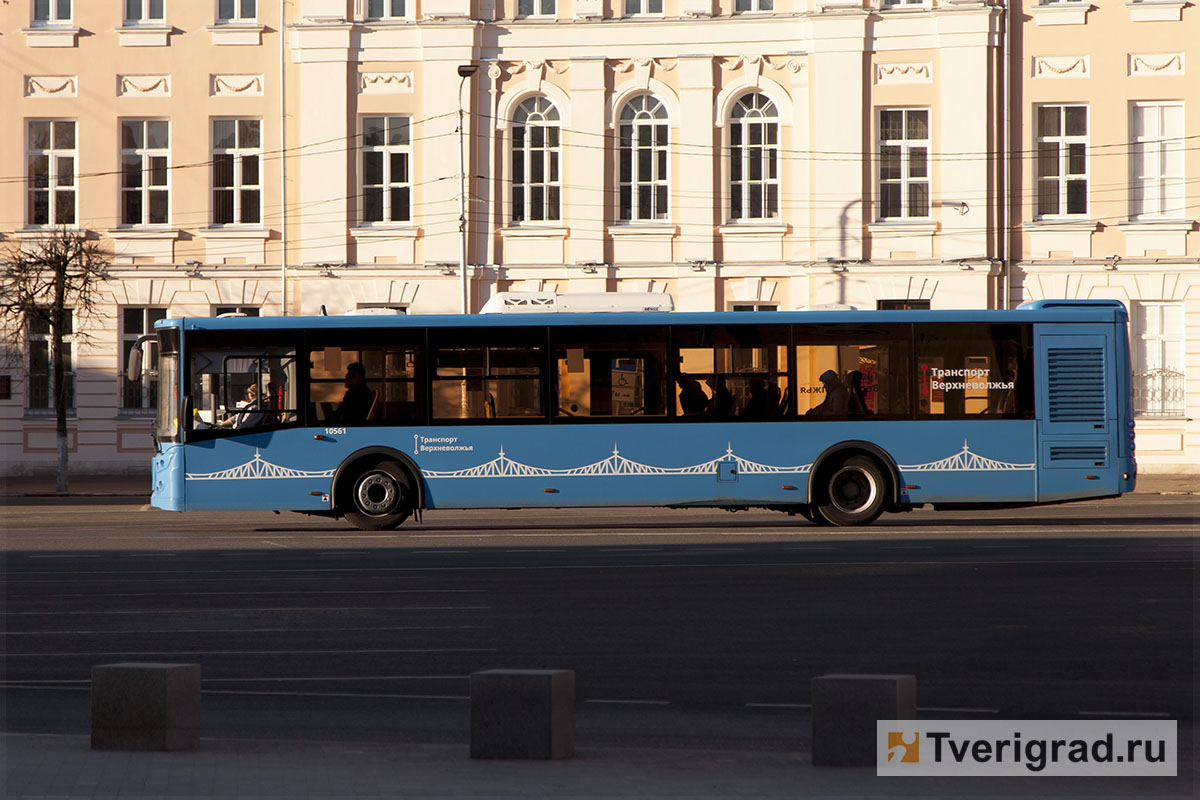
[754,159]
[642,159]
[536,178]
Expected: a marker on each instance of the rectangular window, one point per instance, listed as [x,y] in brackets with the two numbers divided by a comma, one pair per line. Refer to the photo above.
[237,173]
[753,306]
[853,372]
[145,167]
[1156,161]
[42,391]
[1062,160]
[46,12]
[386,169]
[237,10]
[50,158]
[1158,357]
[903,163]
[902,305]
[732,372]
[744,6]
[499,380]
[142,11]
[611,373]
[636,7]
[385,9]
[536,8]
[355,383]
[235,389]
[974,370]
[142,393]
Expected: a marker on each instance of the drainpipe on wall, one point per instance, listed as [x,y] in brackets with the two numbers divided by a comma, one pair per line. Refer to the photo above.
[283,231]
[1006,182]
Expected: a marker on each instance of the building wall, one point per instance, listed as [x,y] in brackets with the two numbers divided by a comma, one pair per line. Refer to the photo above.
[313,78]
[1110,58]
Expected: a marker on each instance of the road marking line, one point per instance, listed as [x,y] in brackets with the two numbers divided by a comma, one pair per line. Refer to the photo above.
[275,544]
[253,652]
[227,631]
[213,611]
[71,555]
[339,694]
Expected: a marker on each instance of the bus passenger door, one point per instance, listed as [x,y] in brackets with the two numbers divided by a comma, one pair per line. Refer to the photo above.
[1076,402]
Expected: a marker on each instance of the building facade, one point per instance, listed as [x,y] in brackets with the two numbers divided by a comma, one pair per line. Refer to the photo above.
[328,155]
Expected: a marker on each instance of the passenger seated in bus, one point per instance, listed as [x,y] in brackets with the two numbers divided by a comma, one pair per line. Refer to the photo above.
[249,412]
[856,395]
[692,399]
[356,402]
[834,404]
[760,404]
[721,404]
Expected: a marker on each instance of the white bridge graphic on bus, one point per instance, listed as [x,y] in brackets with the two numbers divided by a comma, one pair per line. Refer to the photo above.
[616,464]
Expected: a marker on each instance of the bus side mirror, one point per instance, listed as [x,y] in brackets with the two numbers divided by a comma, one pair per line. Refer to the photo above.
[133,369]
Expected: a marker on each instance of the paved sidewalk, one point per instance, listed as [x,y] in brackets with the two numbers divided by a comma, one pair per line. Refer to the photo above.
[44,766]
[138,486]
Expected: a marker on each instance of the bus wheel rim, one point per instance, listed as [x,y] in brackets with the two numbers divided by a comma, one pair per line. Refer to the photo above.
[852,489]
[377,493]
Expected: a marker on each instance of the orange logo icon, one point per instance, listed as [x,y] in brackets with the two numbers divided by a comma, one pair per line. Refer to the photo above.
[904,748]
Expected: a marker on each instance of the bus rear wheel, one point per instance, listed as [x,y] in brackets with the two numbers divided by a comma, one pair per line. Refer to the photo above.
[853,492]
[381,498]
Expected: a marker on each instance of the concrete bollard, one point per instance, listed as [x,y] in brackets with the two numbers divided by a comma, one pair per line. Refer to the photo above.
[145,706]
[523,713]
[845,709]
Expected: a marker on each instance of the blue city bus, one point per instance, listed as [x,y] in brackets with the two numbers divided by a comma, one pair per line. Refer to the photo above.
[836,415]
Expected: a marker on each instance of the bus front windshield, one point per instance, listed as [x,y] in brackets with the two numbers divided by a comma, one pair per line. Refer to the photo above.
[167,405]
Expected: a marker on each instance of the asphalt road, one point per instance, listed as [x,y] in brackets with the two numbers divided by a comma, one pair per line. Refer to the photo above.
[688,628]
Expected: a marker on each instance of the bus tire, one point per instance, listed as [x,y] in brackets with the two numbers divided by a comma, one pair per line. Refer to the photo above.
[853,491]
[381,497]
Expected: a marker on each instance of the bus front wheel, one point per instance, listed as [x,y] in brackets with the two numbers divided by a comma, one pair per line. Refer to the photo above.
[381,498]
[853,492]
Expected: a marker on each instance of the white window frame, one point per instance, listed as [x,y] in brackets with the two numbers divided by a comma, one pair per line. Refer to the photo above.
[153,164]
[914,157]
[643,8]
[377,10]
[248,311]
[237,13]
[1067,155]
[56,12]
[146,12]
[1159,357]
[147,385]
[239,186]
[1155,190]
[395,140]
[540,115]
[754,115]
[536,8]
[753,6]
[62,165]
[643,117]
[46,379]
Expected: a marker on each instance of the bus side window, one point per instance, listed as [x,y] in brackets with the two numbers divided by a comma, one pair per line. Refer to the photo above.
[973,370]
[852,375]
[609,372]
